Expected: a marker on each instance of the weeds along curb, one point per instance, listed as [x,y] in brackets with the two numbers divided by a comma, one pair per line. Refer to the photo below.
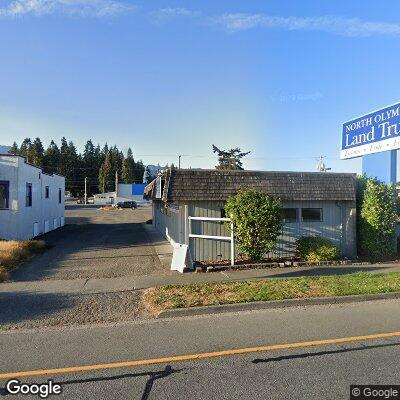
[274,304]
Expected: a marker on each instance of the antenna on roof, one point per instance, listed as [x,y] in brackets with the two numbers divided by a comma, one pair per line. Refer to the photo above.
[321,167]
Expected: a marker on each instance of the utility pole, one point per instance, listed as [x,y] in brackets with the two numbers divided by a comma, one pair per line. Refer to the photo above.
[85,190]
[116,183]
[321,167]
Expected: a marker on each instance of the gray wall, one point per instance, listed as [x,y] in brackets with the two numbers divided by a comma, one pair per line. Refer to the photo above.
[338,225]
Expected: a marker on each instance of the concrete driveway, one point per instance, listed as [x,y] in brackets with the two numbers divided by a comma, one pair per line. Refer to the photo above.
[95,244]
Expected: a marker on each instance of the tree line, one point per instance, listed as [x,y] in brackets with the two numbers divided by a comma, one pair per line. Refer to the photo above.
[98,164]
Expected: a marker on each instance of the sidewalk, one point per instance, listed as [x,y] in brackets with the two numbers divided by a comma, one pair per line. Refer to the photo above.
[129,283]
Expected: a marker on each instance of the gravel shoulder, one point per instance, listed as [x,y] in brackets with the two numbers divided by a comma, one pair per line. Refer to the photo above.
[32,310]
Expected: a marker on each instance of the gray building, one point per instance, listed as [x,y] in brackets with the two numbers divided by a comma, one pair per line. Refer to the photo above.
[314,204]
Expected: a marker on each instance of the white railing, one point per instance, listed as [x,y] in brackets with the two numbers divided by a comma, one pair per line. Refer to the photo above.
[227,238]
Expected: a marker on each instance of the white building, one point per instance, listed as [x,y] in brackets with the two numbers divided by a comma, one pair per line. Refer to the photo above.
[125,192]
[31,201]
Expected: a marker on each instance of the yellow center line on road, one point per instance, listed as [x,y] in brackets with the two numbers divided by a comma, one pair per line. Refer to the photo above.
[191,357]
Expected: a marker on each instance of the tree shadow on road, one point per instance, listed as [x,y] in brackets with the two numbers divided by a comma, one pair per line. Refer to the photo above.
[17,307]
[321,353]
[152,377]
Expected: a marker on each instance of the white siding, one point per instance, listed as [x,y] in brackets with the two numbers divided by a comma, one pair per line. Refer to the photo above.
[20,222]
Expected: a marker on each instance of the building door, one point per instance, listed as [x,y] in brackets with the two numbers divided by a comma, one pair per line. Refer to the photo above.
[35,229]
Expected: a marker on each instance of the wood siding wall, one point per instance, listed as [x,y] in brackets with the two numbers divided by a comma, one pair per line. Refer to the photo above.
[338,225]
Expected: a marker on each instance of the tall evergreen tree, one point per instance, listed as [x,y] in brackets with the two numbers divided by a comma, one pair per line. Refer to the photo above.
[90,166]
[138,172]
[126,175]
[25,148]
[116,158]
[105,175]
[14,149]
[74,175]
[63,166]
[229,159]
[52,158]
[128,167]
[36,153]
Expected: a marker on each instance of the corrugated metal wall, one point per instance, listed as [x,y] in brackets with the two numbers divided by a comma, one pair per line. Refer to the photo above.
[334,227]
[171,219]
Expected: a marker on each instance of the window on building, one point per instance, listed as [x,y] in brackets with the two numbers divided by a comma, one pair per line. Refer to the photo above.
[311,214]
[290,215]
[28,199]
[4,194]
[59,196]
[46,192]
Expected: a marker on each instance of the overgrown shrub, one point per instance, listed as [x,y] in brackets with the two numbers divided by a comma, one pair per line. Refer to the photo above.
[377,218]
[257,220]
[12,252]
[315,248]
[3,274]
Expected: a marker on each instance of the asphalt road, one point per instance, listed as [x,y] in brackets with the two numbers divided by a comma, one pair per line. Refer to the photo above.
[322,372]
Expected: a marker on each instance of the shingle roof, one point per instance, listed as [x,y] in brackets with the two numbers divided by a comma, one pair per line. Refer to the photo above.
[186,185]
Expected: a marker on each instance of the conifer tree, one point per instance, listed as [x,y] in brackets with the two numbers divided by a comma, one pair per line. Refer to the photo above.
[52,158]
[14,149]
[229,159]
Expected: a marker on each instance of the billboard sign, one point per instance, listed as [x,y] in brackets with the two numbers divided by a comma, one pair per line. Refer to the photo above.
[375,132]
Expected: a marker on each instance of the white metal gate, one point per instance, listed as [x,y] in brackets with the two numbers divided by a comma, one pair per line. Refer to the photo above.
[227,238]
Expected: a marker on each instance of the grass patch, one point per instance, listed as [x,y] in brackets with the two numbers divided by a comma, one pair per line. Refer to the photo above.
[13,252]
[182,296]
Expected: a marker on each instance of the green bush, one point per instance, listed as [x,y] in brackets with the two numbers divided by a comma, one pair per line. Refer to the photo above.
[377,218]
[316,248]
[257,220]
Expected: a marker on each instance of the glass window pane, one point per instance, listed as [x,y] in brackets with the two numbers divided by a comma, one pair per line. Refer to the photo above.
[289,215]
[311,214]
[28,195]
[3,195]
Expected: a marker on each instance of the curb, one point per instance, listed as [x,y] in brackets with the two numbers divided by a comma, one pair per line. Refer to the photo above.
[274,304]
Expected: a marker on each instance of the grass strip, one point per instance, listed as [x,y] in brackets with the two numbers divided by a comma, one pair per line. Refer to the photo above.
[183,296]
[13,252]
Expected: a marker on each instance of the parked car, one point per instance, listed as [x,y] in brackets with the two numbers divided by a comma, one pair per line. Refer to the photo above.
[126,204]
[90,200]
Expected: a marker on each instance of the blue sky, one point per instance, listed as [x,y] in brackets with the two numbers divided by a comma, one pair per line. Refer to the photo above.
[172,77]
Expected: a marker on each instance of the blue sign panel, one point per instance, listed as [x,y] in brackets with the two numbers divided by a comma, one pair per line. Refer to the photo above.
[138,189]
[372,133]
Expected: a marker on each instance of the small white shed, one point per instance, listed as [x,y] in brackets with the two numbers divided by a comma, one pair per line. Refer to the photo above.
[31,201]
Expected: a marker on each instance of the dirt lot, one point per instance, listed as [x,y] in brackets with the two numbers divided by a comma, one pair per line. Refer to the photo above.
[95,244]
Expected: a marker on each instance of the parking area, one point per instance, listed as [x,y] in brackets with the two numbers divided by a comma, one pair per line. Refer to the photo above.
[95,244]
